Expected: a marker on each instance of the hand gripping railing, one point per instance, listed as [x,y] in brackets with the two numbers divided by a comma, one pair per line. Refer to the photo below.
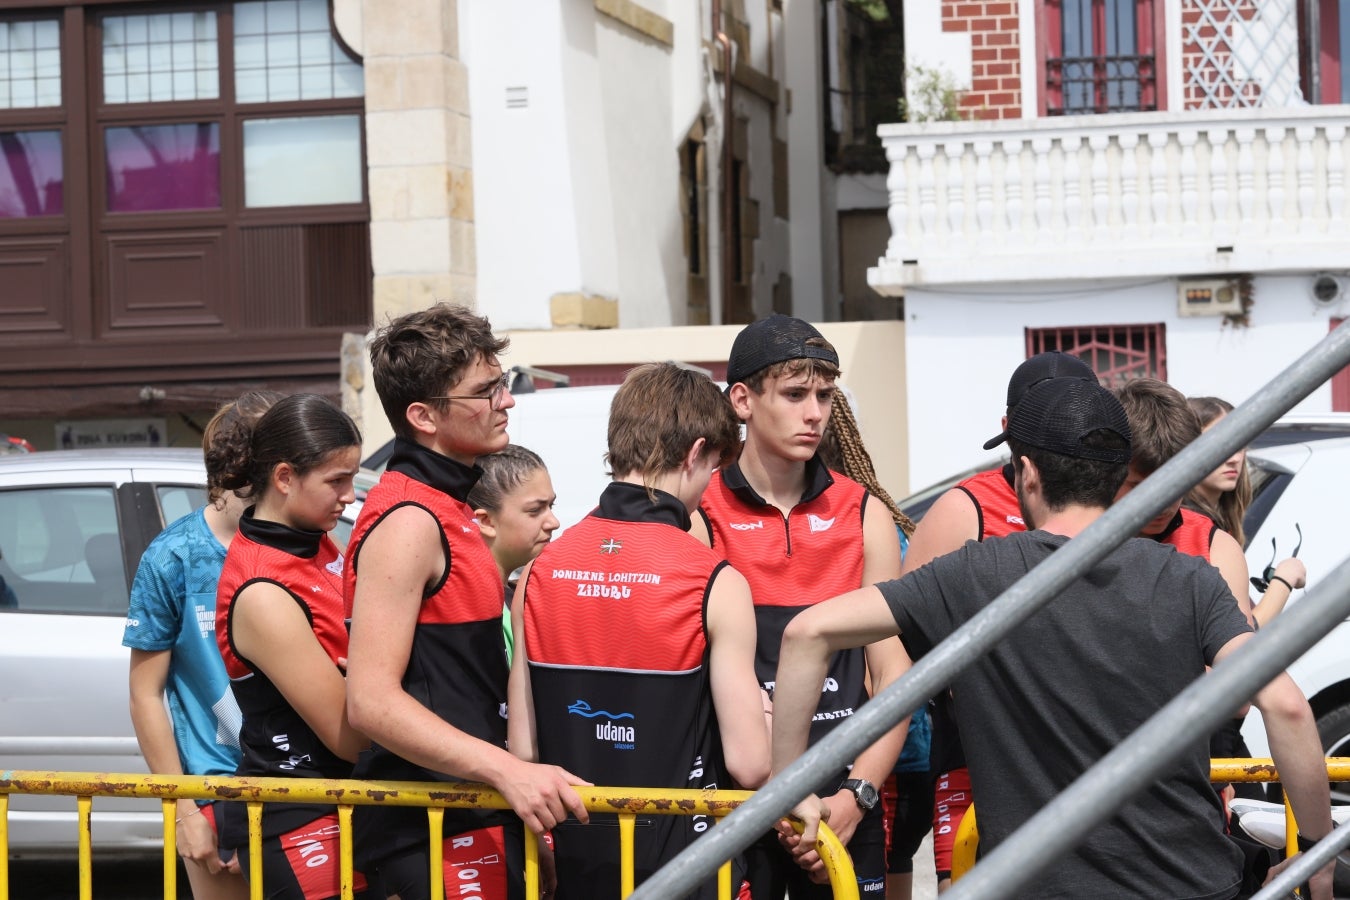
[974,639]
[1301,869]
[626,803]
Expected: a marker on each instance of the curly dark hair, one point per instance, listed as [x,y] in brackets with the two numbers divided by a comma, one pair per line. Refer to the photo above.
[241,413]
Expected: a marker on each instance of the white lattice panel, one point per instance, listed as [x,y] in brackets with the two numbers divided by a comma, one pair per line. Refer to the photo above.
[1241,53]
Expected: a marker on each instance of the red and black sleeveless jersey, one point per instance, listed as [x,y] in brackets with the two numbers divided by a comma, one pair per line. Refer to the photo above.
[999,514]
[995,501]
[457,667]
[616,640]
[274,738]
[1190,532]
[793,562]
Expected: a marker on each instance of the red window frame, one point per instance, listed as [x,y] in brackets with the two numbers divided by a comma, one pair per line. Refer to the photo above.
[1116,353]
[1328,48]
[1340,382]
[1150,28]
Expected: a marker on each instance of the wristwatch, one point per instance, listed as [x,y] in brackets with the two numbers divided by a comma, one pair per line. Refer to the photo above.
[864,792]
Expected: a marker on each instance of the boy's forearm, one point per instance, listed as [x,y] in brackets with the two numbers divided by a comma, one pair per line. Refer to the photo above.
[802,665]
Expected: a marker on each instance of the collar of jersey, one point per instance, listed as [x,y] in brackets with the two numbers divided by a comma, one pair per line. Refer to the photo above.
[1171,527]
[295,541]
[429,467]
[631,503]
[818,479]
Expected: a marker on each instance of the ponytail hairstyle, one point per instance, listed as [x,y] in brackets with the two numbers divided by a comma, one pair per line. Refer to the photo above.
[241,413]
[503,472]
[1232,506]
[302,429]
[841,449]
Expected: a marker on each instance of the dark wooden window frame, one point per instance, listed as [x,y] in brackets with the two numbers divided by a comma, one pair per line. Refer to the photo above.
[80,328]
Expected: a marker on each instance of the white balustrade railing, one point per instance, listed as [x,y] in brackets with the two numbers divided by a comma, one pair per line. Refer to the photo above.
[1117,195]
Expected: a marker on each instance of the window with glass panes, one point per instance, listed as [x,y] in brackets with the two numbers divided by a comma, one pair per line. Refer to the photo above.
[185,171]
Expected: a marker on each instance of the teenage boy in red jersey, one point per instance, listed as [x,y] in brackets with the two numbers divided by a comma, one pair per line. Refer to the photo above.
[983,506]
[427,672]
[1164,424]
[635,644]
[800,534]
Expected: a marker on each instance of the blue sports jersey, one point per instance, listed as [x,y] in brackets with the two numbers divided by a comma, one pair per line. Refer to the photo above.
[173,607]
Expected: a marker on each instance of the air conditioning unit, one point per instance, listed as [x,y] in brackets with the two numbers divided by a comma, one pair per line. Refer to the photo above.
[1209,297]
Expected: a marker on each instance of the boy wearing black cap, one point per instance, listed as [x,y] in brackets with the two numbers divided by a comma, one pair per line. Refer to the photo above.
[800,533]
[983,506]
[1127,637]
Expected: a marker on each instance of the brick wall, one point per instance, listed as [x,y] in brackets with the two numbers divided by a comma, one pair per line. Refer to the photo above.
[1212,83]
[996,79]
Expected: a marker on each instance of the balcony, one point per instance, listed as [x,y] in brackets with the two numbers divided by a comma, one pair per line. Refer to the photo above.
[1120,195]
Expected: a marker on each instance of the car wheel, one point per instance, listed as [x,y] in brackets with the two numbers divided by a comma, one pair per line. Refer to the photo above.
[1334,729]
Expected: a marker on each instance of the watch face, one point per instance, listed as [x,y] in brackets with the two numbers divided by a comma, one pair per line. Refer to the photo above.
[867,795]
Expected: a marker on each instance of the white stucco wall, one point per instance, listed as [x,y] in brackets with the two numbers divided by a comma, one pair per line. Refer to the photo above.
[643,176]
[927,45]
[961,347]
[524,194]
[806,211]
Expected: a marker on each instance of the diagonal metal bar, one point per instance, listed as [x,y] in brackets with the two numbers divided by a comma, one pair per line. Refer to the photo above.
[1107,786]
[1301,869]
[937,670]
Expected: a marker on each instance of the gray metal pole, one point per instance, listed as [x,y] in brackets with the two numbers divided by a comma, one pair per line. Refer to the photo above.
[1301,869]
[1157,744]
[974,639]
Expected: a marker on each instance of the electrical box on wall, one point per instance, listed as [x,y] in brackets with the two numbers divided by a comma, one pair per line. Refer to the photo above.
[1209,297]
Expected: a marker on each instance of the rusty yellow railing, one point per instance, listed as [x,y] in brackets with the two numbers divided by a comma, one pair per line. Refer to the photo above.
[1220,770]
[626,803]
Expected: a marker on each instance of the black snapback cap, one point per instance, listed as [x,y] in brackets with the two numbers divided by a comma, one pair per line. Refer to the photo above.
[1056,415]
[1050,364]
[774,339]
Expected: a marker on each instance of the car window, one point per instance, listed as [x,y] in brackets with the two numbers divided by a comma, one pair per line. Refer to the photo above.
[177,500]
[60,551]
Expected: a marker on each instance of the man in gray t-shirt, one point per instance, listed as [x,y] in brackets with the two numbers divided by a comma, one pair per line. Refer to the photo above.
[1076,679]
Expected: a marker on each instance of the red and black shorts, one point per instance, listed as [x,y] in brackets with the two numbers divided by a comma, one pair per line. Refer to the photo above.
[486,863]
[303,864]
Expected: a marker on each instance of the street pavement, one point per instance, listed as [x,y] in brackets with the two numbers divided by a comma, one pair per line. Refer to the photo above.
[113,880]
[140,879]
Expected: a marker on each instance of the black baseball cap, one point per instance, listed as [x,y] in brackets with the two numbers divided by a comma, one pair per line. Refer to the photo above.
[1057,414]
[774,339]
[1050,364]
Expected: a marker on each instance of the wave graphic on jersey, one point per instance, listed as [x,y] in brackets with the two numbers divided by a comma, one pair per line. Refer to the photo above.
[582,708]
[622,737]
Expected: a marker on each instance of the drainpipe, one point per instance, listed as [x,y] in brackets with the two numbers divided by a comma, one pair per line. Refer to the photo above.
[728,189]
[1312,16]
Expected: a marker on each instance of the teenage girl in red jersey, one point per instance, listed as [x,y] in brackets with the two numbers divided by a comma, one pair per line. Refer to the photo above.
[279,624]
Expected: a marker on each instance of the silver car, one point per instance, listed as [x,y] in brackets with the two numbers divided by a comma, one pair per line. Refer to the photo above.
[73,525]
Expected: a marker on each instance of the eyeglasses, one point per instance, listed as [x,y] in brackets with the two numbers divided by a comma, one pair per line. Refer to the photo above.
[1262,583]
[495,395]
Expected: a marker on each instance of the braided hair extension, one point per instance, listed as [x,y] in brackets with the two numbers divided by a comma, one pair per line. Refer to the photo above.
[842,449]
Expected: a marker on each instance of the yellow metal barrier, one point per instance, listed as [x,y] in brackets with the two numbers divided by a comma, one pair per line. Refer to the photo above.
[627,803]
[1220,770]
